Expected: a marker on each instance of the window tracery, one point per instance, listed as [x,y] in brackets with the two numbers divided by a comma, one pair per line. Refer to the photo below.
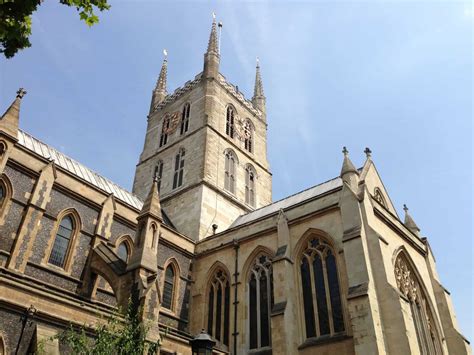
[260,291]
[410,287]
[219,307]
[321,290]
[378,196]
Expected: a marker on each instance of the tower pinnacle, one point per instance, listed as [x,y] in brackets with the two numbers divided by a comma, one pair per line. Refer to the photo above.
[159,93]
[258,98]
[349,173]
[10,119]
[410,223]
[211,57]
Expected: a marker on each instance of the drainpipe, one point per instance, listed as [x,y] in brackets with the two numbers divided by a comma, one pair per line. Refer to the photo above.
[236,301]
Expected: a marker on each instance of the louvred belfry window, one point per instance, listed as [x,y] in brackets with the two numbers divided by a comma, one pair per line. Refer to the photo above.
[164,130]
[219,307]
[321,290]
[229,128]
[260,290]
[423,320]
[158,173]
[229,177]
[178,169]
[185,118]
[250,186]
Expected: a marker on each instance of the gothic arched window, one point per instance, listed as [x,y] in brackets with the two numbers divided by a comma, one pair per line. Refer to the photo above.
[260,288]
[123,252]
[169,287]
[218,307]
[229,178]
[62,242]
[185,118]
[250,176]
[178,169]
[321,291]
[248,136]
[229,127]
[164,130]
[410,286]
[158,173]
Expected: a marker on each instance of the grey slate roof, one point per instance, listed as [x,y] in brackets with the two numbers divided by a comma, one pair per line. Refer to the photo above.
[289,201]
[35,145]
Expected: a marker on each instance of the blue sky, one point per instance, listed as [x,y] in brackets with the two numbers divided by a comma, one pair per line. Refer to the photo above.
[394,76]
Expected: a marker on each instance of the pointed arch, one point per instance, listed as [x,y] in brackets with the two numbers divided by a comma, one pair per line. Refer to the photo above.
[250,185]
[378,196]
[322,305]
[249,130]
[230,172]
[170,284]
[218,303]
[126,241]
[231,115]
[61,246]
[6,193]
[411,286]
[258,283]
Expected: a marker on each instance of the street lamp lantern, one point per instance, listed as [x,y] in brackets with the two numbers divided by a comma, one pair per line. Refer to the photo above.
[202,344]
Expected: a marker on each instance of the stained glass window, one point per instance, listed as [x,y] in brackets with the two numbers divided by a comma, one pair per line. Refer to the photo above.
[321,292]
[62,241]
[122,251]
[219,307]
[260,302]
[168,288]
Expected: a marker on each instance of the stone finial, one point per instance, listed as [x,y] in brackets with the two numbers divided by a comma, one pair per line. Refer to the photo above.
[347,166]
[368,152]
[213,45]
[10,119]
[410,223]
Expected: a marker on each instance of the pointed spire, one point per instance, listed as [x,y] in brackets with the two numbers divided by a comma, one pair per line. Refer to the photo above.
[410,223]
[152,203]
[213,45]
[211,57]
[258,98]
[159,93]
[347,166]
[10,119]
[161,83]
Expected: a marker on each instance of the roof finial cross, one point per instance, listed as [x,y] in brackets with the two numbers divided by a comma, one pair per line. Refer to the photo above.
[345,151]
[405,208]
[20,93]
[368,152]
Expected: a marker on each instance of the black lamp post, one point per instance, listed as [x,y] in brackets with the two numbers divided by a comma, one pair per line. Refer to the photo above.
[202,344]
[29,313]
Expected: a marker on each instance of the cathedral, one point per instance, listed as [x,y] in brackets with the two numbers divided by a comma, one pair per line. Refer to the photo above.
[201,246]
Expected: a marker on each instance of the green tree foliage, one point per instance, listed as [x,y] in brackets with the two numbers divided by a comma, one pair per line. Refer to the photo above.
[15,20]
[116,335]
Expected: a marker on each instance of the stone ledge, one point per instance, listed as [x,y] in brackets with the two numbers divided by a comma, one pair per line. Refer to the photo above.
[326,339]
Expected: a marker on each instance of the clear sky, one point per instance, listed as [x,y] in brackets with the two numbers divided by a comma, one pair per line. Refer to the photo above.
[394,76]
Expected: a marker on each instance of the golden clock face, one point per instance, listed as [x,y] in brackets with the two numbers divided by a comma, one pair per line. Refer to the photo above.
[174,120]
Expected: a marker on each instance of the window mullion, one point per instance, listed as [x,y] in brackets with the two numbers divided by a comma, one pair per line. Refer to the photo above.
[328,297]
[315,301]
[259,331]
[214,314]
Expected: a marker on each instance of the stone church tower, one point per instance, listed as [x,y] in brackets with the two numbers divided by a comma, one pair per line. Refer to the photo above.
[207,146]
